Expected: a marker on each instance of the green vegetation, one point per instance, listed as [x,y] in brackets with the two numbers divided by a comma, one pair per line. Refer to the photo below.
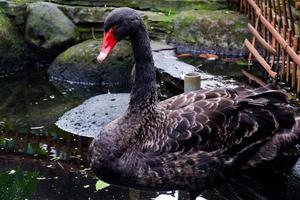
[3,18]
[17,184]
[24,1]
[242,62]
[100,185]
[10,41]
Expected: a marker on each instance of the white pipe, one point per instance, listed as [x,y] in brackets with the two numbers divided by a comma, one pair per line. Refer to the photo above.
[192,81]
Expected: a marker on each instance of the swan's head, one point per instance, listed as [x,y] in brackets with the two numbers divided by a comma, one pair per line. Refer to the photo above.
[120,23]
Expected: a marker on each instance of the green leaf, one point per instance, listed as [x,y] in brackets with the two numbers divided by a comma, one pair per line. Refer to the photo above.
[100,185]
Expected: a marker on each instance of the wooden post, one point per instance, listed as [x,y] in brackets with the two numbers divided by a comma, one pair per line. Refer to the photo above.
[288,68]
[294,65]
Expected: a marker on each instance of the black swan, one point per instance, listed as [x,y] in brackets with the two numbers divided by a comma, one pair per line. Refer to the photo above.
[191,140]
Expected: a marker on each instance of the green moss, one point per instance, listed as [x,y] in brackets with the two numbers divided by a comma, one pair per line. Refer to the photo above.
[242,62]
[3,18]
[240,25]
[216,30]
[24,1]
[10,40]
[174,7]
[86,52]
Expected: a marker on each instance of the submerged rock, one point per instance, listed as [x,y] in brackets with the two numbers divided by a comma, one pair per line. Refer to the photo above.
[12,46]
[89,118]
[221,31]
[48,29]
[77,67]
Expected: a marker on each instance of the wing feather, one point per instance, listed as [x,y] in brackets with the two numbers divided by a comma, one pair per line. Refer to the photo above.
[205,129]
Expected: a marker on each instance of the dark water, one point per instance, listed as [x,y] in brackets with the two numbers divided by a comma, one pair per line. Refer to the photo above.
[39,161]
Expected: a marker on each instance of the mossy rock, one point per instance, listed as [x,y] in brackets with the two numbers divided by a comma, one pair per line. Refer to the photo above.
[48,29]
[77,66]
[221,30]
[85,14]
[15,11]
[158,24]
[12,46]
[155,5]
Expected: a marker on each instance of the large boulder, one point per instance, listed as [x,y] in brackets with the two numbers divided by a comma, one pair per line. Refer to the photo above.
[12,46]
[156,5]
[77,66]
[85,14]
[48,29]
[158,24]
[222,31]
[15,10]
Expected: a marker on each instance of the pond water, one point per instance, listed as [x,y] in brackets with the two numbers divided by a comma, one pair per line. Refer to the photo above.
[39,161]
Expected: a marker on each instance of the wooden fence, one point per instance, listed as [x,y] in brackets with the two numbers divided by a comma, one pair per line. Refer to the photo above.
[273,30]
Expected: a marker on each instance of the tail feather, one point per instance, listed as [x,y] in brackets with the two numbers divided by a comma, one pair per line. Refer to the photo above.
[279,142]
[266,102]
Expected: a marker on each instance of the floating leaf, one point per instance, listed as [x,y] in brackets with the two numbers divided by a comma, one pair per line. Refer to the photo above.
[100,185]
[208,56]
[41,178]
[184,55]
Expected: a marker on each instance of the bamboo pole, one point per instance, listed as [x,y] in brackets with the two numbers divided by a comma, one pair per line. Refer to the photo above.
[294,64]
[288,65]
[261,40]
[259,58]
[253,42]
[290,14]
[253,78]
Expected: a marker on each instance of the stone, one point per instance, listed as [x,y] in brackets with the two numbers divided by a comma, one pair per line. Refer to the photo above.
[86,14]
[48,29]
[156,5]
[17,11]
[91,116]
[221,31]
[12,46]
[158,24]
[77,66]
[171,72]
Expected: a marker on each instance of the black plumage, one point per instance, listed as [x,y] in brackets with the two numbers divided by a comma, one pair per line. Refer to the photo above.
[191,140]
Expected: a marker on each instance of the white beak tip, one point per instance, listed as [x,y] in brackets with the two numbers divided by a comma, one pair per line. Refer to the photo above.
[101,57]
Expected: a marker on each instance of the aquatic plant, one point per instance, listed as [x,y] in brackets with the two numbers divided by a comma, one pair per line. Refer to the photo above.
[17,184]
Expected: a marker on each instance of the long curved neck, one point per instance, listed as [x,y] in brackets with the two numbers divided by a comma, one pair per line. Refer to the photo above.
[143,94]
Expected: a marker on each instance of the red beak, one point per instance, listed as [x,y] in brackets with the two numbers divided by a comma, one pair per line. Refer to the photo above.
[108,43]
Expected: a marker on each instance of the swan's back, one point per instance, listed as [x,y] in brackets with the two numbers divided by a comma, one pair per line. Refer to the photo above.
[205,134]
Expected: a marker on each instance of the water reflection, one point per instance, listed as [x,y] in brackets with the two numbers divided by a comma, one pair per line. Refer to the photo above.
[62,179]
[30,105]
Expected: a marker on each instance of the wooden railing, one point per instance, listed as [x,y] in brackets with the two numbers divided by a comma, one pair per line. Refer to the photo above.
[272,26]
